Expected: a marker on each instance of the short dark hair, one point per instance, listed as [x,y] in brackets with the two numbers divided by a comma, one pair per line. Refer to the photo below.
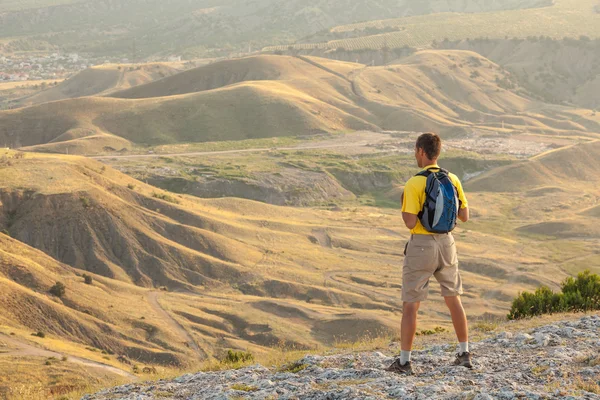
[431,144]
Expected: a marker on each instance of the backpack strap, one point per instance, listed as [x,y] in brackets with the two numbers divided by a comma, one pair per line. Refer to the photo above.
[429,171]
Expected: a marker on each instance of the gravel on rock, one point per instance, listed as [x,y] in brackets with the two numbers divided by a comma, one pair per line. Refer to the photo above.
[559,361]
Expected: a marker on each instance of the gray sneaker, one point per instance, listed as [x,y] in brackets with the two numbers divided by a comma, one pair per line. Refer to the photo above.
[464,360]
[402,369]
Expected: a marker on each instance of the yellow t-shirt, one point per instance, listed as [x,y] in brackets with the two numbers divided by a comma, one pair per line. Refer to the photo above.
[414,197]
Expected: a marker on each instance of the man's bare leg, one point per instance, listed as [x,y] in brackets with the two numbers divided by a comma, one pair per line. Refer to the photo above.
[409,324]
[459,318]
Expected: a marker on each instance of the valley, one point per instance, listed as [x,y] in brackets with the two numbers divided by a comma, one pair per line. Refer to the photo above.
[155,215]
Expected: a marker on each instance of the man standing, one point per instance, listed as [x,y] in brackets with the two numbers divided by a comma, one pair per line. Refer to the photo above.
[432,201]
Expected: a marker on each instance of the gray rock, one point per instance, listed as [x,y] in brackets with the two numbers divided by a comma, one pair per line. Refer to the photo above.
[507,366]
[505,335]
[523,337]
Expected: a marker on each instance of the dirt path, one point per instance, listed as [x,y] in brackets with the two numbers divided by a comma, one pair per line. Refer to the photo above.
[23,349]
[327,144]
[174,324]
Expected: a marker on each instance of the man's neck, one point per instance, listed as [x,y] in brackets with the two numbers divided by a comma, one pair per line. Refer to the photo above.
[429,163]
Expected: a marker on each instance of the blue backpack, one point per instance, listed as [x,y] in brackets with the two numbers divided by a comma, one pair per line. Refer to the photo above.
[440,210]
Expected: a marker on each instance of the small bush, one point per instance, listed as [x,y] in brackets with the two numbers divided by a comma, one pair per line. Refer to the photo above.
[88,279]
[135,369]
[39,334]
[427,332]
[165,197]
[130,186]
[85,202]
[58,289]
[234,357]
[578,294]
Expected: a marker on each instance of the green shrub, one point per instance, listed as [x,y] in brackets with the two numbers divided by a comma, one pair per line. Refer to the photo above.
[88,279]
[165,197]
[39,334]
[234,357]
[58,289]
[427,332]
[582,293]
[85,202]
[578,294]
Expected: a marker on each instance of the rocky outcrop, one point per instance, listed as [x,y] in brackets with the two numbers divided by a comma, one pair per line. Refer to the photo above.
[548,362]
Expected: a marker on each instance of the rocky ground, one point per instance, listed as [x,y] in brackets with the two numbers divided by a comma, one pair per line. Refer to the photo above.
[560,361]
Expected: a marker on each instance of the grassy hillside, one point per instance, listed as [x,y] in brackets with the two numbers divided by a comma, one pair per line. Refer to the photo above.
[103,80]
[249,276]
[202,27]
[565,18]
[451,92]
[545,66]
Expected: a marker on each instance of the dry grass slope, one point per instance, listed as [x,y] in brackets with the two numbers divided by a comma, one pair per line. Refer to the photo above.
[104,80]
[447,91]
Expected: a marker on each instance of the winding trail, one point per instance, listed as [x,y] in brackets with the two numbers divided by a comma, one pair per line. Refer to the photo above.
[23,349]
[174,324]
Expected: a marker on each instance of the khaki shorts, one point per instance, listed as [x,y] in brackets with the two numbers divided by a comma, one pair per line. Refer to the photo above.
[426,256]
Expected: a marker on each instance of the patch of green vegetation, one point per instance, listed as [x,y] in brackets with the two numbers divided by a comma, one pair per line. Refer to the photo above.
[294,368]
[228,145]
[578,294]
[85,202]
[233,357]
[485,326]
[434,331]
[165,197]
[58,290]
[243,387]
[88,279]
[379,199]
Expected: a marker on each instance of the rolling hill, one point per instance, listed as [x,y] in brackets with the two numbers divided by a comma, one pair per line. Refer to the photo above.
[102,80]
[237,274]
[545,66]
[448,91]
[240,257]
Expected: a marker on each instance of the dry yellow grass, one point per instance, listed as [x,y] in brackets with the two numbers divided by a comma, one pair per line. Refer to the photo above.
[103,80]
[244,275]
[451,92]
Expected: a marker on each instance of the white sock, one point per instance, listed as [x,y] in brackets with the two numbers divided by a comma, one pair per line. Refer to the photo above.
[404,357]
[464,347]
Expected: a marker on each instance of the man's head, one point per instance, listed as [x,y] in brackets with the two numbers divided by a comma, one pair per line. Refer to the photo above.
[428,149]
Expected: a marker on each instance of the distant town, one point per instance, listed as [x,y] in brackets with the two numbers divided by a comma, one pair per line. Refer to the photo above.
[16,68]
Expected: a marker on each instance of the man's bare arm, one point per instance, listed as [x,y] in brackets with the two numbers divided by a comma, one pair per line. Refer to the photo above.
[410,220]
[463,214]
